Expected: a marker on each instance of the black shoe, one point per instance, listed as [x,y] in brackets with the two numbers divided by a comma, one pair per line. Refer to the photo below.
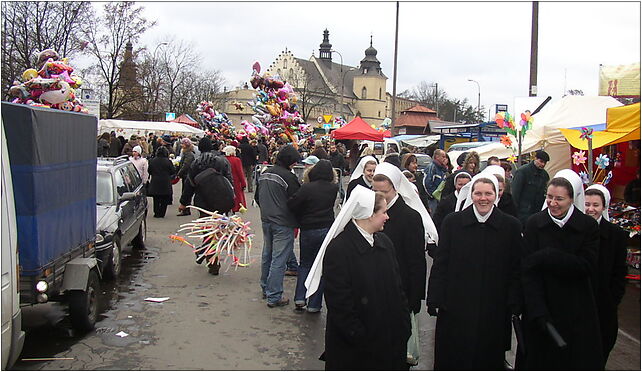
[213,269]
[282,302]
[184,214]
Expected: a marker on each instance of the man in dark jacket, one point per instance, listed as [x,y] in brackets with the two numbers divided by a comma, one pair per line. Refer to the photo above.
[127,149]
[276,185]
[336,158]
[262,152]
[248,159]
[529,186]
[114,145]
[187,157]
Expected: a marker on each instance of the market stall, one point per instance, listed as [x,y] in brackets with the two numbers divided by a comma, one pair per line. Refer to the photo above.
[358,129]
[129,127]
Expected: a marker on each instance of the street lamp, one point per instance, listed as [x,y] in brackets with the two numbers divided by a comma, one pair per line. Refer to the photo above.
[343,78]
[478,94]
[153,111]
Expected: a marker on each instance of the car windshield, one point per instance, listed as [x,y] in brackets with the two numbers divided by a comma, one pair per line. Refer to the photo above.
[423,161]
[104,188]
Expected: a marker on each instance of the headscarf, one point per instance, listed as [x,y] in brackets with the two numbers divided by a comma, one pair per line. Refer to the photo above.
[578,188]
[460,174]
[468,193]
[358,170]
[607,198]
[405,189]
[360,205]
[464,194]
[229,150]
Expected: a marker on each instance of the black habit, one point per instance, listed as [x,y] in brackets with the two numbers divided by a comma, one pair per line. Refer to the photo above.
[559,274]
[474,281]
[354,183]
[507,205]
[406,231]
[368,322]
[611,281]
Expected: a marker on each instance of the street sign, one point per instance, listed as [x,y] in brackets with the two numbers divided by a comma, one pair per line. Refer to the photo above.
[320,120]
[327,126]
[501,108]
[169,116]
[92,106]
[327,118]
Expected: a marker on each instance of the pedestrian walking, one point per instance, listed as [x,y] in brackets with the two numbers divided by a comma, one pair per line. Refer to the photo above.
[319,150]
[276,185]
[368,323]
[115,146]
[559,277]
[248,158]
[313,206]
[529,186]
[102,147]
[362,174]
[336,158]
[237,175]
[435,175]
[474,282]
[187,157]
[141,164]
[161,171]
[611,265]
[262,151]
[127,148]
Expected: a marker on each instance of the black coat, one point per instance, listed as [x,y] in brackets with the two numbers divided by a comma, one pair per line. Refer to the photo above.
[445,207]
[368,322]
[559,273]
[338,161]
[611,281]
[248,154]
[474,281]
[529,189]
[313,203]
[406,231]
[115,147]
[352,184]
[161,171]
[507,205]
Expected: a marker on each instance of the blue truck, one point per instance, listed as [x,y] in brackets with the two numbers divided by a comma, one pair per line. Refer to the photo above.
[52,161]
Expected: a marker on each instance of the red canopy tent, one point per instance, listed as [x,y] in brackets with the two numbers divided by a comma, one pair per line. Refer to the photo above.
[186,119]
[357,129]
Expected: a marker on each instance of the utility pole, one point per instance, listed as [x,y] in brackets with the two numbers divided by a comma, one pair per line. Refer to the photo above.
[394,74]
[532,87]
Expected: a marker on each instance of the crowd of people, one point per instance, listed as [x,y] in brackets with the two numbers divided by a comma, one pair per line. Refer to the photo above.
[510,248]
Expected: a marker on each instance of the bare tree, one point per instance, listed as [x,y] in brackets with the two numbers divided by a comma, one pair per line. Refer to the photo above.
[30,27]
[178,61]
[119,24]
[197,87]
[312,94]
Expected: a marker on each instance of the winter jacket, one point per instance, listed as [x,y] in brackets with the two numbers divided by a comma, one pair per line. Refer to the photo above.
[102,148]
[248,155]
[529,189]
[205,160]
[239,182]
[187,157]
[161,171]
[142,166]
[313,204]
[337,160]
[129,146]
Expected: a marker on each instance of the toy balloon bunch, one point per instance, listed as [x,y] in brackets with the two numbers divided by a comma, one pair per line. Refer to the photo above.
[215,122]
[276,110]
[51,85]
[339,122]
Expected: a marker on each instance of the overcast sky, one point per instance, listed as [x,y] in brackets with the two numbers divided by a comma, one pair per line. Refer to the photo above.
[443,42]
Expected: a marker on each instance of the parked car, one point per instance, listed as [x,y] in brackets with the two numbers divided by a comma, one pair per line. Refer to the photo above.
[121,211]
[466,146]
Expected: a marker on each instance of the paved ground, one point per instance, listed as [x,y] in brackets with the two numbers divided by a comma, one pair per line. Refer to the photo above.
[213,322]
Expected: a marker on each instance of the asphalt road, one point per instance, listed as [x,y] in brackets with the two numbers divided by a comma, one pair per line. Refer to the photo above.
[213,322]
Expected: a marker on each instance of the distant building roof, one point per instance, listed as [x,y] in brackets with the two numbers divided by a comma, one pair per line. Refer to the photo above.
[420,108]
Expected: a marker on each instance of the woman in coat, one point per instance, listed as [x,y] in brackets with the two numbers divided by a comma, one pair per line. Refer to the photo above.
[238,176]
[611,265]
[474,282]
[162,171]
[313,206]
[368,322]
[187,157]
[559,277]
[362,174]
[409,163]
[103,145]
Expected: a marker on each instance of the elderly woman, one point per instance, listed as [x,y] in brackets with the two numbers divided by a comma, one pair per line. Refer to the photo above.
[368,323]
[474,282]
[238,176]
[559,277]
[611,265]
[161,171]
[362,174]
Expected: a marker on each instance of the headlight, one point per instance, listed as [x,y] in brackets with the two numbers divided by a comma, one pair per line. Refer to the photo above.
[42,286]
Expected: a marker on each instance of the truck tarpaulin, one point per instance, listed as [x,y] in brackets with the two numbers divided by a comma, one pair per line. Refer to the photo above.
[53,167]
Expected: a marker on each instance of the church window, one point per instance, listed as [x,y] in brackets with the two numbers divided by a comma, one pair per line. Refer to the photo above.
[291,73]
[378,113]
[278,72]
[379,95]
[364,93]
[285,63]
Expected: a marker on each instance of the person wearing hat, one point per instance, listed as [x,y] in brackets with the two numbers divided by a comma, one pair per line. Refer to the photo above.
[368,323]
[560,281]
[611,265]
[127,149]
[529,186]
[276,185]
[474,282]
[140,163]
[319,150]
[187,157]
[239,178]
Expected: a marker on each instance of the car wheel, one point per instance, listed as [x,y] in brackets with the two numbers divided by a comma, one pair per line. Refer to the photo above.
[83,305]
[139,240]
[112,270]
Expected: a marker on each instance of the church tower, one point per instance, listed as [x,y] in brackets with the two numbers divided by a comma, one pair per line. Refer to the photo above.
[325,48]
[370,88]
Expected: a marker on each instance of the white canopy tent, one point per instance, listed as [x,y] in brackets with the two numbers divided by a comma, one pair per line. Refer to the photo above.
[129,127]
[568,112]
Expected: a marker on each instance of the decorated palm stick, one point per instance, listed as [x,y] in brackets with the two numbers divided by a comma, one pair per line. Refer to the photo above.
[222,238]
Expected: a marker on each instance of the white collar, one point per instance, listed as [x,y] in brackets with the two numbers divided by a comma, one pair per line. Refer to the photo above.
[393,201]
[564,220]
[366,181]
[599,219]
[366,235]
[480,218]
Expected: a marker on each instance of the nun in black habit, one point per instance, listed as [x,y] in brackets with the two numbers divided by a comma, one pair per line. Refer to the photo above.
[474,284]
[368,322]
[362,174]
[559,278]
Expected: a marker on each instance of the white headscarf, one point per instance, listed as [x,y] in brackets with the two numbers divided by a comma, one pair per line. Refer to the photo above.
[607,199]
[358,170]
[578,188]
[496,170]
[405,189]
[460,174]
[359,206]
[467,197]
